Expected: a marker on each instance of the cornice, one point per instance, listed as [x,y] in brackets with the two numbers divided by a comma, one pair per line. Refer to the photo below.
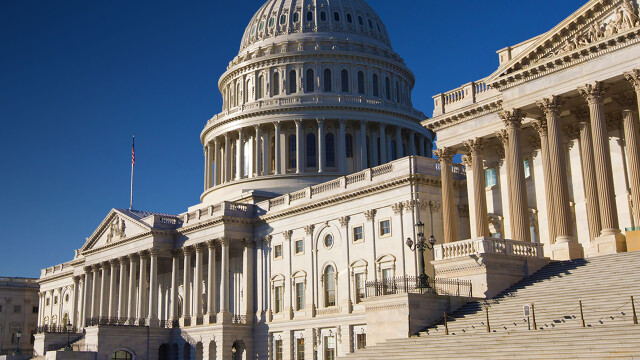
[220,219]
[467,113]
[121,242]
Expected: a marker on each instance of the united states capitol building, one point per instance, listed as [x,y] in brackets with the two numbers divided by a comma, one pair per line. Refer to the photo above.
[320,176]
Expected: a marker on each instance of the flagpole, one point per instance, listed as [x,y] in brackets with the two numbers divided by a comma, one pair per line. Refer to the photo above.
[133,161]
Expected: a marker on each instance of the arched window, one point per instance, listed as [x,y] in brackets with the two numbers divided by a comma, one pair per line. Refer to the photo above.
[309,15]
[394,153]
[310,81]
[292,151]
[327,80]
[247,158]
[330,146]
[387,85]
[329,286]
[360,83]
[348,141]
[246,90]
[344,77]
[311,150]
[238,92]
[323,16]
[121,355]
[376,90]
[260,87]
[336,16]
[293,84]
[273,154]
[276,83]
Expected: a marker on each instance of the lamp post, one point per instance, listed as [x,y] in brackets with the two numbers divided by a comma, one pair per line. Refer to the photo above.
[233,351]
[18,336]
[68,330]
[421,245]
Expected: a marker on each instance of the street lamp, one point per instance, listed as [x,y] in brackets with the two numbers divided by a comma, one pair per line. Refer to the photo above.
[68,329]
[18,336]
[421,245]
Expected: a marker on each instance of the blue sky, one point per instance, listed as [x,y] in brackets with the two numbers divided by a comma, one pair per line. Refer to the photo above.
[78,77]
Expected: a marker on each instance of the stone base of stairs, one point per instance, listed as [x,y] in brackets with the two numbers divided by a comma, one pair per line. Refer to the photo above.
[607,245]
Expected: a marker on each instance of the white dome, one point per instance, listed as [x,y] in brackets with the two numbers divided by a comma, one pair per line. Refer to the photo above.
[278,19]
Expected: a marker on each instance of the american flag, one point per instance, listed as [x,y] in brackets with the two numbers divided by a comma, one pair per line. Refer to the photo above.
[133,151]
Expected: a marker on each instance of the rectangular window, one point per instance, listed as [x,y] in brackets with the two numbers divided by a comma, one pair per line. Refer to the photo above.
[361,341]
[17,309]
[277,252]
[48,301]
[387,278]
[329,348]
[279,299]
[358,235]
[385,227]
[300,349]
[299,247]
[278,349]
[490,178]
[300,296]
[527,169]
[35,310]
[0,308]
[55,300]
[360,287]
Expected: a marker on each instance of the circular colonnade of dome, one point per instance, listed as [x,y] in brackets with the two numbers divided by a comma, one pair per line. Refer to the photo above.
[316,91]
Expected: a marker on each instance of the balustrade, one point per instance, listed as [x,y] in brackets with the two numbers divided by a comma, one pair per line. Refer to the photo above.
[487,246]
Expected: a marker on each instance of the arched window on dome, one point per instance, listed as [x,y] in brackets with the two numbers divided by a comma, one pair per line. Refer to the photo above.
[283,19]
[329,286]
[387,85]
[376,89]
[323,16]
[348,141]
[310,81]
[336,16]
[260,86]
[349,18]
[247,158]
[293,84]
[296,17]
[272,148]
[276,83]
[360,83]
[309,15]
[360,21]
[327,80]
[238,93]
[398,92]
[311,150]
[292,151]
[330,150]
[344,77]
[394,153]
[247,88]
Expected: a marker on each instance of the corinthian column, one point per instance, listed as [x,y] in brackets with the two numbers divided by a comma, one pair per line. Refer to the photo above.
[142,286]
[211,281]
[633,142]
[476,148]
[227,158]
[197,281]
[594,94]
[240,170]
[112,288]
[121,288]
[173,310]
[258,153]
[299,152]
[541,126]
[186,303]
[445,158]
[588,172]
[224,315]
[217,163]
[321,146]
[153,287]
[278,168]
[518,201]
[131,313]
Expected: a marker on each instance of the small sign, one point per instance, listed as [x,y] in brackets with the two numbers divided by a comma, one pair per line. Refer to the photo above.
[526,309]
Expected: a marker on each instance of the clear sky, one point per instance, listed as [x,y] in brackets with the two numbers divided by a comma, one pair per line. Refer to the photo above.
[78,77]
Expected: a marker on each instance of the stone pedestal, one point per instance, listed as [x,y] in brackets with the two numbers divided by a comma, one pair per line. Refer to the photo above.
[566,251]
[633,240]
[224,317]
[608,244]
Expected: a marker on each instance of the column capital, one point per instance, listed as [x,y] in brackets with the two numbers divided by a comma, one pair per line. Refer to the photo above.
[175,253]
[309,229]
[276,124]
[614,121]
[582,115]
[287,234]
[571,131]
[225,241]
[114,262]
[240,131]
[535,142]
[512,118]
[444,155]
[226,136]
[370,214]
[132,256]
[633,77]
[467,160]
[320,121]
[76,280]
[153,252]
[211,244]
[298,122]
[627,101]
[342,121]
[475,146]
[550,106]
[268,238]
[200,247]
[397,208]
[187,250]
[503,136]
[344,221]
[250,243]
[594,93]
[143,254]
[540,125]
[88,269]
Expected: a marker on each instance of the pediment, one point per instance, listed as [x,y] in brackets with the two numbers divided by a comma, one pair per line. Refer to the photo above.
[117,226]
[595,22]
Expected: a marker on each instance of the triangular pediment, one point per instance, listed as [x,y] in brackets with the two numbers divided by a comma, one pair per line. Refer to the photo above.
[117,226]
[596,22]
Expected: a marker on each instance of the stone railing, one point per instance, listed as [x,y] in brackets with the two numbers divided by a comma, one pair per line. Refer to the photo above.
[465,95]
[239,319]
[487,246]
[57,269]
[226,208]
[458,170]
[313,99]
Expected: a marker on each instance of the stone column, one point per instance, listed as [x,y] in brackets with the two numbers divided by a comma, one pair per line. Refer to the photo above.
[175,264]
[342,134]
[112,288]
[258,152]
[373,148]
[299,151]
[104,296]
[86,296]
[588,172]
[217,162]
[476,148]
[133,270]
[207,167]
[628,103]
[197,281]
[142,286]
[383,144]
[153,287]
[266,166]
[74,316]
[211,281]
[611,239]
[421,141]
[122,289]
[224,315]
[541,126]
[412,143]
[363,145]
[240,169]
[321,146]
[445,158]
[278,168]
[519,207]
[399,152]
[249,272]
[186,299]
[227,158]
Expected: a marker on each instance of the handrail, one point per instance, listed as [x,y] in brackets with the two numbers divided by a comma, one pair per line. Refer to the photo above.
[415,285]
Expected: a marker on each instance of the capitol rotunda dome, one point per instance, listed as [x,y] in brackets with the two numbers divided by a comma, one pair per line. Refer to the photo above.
[315,92]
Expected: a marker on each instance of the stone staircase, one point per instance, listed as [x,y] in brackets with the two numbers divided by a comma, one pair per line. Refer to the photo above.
[604,285]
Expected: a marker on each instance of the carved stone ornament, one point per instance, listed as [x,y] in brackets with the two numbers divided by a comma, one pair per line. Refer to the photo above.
[344,221]
[116,230]
[309,229]
[627,101]
[512,118]
[444,155]
[593,93]
[550,106]
[475,146]
[634,78]
[534,142]
[581,114]
[370,214]
[287,234]
[397,208]
[504,139]
[467,160]
[571,131]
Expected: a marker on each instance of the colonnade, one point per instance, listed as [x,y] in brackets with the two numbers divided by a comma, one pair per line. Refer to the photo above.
[47,311]
[307,146]
[595,161]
